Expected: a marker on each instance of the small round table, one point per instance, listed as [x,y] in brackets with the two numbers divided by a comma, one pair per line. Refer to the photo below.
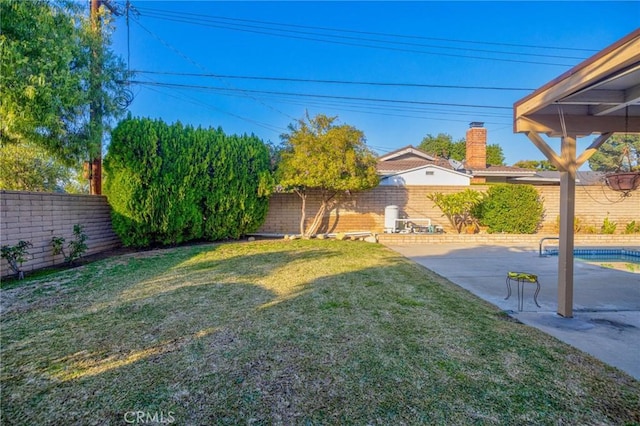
[522,278]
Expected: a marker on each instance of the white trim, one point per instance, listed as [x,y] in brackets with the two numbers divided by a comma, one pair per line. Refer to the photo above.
[426,166]
[408,150]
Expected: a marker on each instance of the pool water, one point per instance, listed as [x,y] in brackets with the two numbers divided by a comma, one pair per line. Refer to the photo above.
[622,259]
[608,257]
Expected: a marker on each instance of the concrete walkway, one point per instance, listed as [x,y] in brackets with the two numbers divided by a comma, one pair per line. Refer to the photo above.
[606,322]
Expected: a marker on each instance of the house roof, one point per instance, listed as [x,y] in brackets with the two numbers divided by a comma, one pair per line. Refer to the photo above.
[409,158]
[407,151]
[395,166]
[503,171]
[586,178]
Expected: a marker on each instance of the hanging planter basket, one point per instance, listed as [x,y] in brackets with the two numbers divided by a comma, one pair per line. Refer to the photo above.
[624,182]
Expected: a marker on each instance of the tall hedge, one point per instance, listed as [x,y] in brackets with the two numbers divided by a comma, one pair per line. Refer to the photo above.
[169,184]
[511,209]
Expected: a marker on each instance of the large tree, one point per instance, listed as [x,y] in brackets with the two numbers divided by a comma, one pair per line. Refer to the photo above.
[323,156]
[47,48]
[444,146]
[30,168]
[619,152]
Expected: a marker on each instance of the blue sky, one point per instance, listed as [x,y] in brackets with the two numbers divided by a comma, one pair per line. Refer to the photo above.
[441,64]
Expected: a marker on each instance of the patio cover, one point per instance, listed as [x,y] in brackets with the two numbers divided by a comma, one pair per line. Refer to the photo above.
[599,96]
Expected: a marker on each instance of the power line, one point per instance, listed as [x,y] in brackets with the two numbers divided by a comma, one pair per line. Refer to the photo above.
[213,108]
[238,27]
[307,80]
[192,61]
[265,31]
[415,37]
[221,89]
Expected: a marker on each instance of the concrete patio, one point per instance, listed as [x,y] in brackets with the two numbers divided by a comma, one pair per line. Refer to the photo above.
[606,321]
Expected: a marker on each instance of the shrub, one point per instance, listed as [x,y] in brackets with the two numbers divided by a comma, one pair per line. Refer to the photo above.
[458,207]
[76,248]
[512,209]
[169,184]
[632,228]
[608,226]
[579,226]
[16,256]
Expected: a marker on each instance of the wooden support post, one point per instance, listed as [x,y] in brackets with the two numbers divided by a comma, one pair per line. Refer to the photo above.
[567,214]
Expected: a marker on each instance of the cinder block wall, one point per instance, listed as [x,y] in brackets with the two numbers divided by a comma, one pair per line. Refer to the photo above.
[365,211]
[37,217]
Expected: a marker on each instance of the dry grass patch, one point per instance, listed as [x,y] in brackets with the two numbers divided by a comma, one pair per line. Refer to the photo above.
[295,332]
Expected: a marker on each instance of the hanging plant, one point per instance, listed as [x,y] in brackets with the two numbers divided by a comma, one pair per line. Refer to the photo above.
[624,179]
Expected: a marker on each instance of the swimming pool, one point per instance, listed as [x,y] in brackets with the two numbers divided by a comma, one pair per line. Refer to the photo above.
[620,259]
[631,255]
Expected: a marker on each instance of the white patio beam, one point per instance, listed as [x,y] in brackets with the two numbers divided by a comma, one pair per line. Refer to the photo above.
[630,96]
[592,149]
[579,126]
[548,152]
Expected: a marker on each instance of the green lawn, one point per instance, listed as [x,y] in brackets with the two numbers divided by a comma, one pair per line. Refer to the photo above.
[285,332]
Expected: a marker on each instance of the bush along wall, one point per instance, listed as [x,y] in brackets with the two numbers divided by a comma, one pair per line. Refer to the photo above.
[169,184]
[511,209]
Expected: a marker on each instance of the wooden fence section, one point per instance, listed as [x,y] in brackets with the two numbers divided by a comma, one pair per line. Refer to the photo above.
[365,211]
[37,217]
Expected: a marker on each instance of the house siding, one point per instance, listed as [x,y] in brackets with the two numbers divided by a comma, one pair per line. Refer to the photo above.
[426,176]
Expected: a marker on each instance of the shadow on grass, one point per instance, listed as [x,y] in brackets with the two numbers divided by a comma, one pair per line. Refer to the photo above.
[390,343]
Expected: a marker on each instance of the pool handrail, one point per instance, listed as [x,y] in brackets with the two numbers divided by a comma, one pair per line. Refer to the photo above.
[542,241]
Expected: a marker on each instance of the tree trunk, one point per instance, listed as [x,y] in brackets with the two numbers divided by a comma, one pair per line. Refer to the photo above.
[303,214]
[317,219]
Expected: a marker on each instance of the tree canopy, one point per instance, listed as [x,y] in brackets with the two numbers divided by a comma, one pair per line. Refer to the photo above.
[535,165]
[318,154]
[170,184]
[29,168]
[619,152]
[444,146]
[47,48]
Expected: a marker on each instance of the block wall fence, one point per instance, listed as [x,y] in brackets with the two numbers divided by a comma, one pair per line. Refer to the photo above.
[365,211]
[38,216]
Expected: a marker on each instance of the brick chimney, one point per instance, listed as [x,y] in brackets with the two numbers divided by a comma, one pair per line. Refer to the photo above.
[476,148]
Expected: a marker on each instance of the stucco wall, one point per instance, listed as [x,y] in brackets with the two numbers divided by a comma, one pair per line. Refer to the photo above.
[365,211]
[428,175]
[37,217]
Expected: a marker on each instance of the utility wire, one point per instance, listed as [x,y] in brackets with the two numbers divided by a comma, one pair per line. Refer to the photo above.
[307,80]
[346,43]
[414,37]
[188,59]
[198,102]
[215,22]
[213,88]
